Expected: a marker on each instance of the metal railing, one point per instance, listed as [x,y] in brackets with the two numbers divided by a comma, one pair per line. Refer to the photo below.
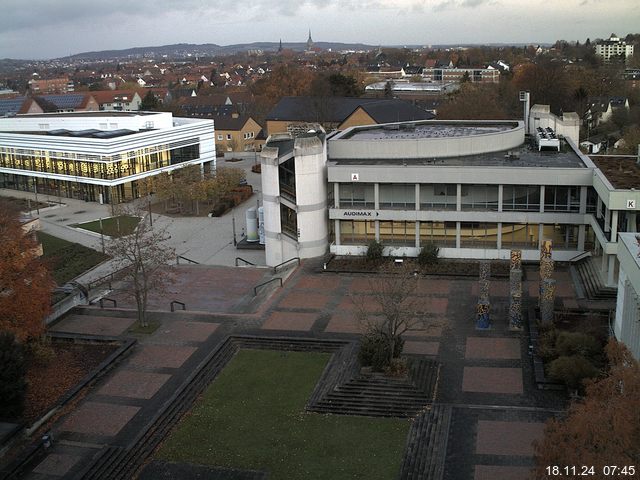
[111,277]
[247,262]
[103,299]
[255,289]
[294,259]
[176,302]
[178,257]
[580,256]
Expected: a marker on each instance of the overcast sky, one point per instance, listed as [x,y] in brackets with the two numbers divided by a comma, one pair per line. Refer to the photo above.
[37,29]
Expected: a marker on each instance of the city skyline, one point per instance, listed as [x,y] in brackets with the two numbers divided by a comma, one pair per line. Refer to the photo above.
[66,27]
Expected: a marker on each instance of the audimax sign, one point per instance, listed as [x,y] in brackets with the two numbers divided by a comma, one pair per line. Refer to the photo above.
[360,213]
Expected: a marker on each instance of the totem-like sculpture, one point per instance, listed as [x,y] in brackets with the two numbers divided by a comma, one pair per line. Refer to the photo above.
[515,291]
[546,265]
[482,309]
[547,301]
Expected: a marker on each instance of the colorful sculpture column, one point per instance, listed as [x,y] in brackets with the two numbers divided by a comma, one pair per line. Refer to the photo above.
[515,291]
[547,301]
[483,307]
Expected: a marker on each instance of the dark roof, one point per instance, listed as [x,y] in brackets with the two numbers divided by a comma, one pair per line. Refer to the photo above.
[11,106]
[228,122]
[62,102]
[207,110]
[337,109]
[597,104]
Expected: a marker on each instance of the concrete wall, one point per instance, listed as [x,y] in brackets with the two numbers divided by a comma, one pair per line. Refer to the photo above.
[568,125]
[77,121]
[627,321]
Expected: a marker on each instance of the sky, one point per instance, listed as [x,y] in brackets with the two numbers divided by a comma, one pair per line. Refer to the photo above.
[43,29]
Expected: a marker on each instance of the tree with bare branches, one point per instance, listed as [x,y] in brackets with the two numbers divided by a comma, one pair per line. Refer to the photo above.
[144,257]
[394,294]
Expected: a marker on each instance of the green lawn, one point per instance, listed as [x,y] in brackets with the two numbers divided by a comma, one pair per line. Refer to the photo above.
[67,260]
[112,226]
[252,417]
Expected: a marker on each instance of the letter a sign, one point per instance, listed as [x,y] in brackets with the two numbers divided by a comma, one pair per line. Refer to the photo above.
[355,177]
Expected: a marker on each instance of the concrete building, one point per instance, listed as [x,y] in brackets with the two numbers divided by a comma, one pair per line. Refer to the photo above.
[627,323]
[450,74]
[612,48]
[477,189]
[294,194]
[99,156]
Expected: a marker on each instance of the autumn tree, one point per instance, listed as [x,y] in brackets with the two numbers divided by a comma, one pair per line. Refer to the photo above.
[143,257]
[604,427]
[474,102]
[25,282]
[13,385]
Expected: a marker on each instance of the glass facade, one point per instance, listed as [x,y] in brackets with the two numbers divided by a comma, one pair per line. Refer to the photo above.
[480,197]
[478,235]
[356,195]
[521,198]
[398,196]
[441,196]
[289,221]
[287,178]
[443,234]
[357,233]
[561,199]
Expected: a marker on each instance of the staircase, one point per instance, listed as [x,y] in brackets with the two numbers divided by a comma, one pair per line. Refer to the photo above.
[589,276]
[426,449]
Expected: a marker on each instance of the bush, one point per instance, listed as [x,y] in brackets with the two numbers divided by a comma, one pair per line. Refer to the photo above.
[572,370]
[398,367]
[577,343]
[375,350]
[428,254]
[374,251]
[547,344]
[13,385]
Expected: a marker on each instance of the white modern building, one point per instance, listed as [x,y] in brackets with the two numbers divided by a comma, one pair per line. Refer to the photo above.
[99,156]
[627,323]
[613,47]
[477,189]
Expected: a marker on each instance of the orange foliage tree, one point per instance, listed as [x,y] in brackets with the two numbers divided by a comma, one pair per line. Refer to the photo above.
[604,428]
[25,282]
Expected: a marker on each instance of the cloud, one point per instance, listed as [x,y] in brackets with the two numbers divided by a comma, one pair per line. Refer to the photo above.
[456,4]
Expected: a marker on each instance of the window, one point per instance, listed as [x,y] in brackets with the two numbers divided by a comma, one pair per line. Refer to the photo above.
[228,136]
[443,234]
[519,235]
[561,199]
[480,197]
[287,177]
[440,196]
[356,195]
[220,137]
[289,221]
[357,232]
[478,235]
[398,196]
[398,233]
[521,198]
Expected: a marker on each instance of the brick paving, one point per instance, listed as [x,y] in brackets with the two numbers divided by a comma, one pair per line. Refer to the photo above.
[421,348]
[492,348]
[507,438]
[127,383]
[500,472]
[492,380]
[93,325]
[476,368]
[290,321]
[178,331]
[56,464]
[161,356]
[97,418]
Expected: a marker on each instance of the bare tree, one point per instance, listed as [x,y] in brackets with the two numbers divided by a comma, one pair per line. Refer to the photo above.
[143,256]
[394,293]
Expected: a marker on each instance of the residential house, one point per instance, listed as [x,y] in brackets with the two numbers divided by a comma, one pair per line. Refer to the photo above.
[51,85]
[613,48]
[118,100]
[72,102]
[600,109]
[236,133]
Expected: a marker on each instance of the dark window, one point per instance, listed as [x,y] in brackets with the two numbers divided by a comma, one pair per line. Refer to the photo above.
[184,154]
[288,221]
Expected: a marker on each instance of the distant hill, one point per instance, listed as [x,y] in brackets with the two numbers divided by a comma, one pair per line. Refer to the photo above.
[181,50]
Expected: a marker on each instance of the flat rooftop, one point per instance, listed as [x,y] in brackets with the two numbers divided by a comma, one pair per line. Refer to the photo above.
[526,156]
[622,172]
[409,131]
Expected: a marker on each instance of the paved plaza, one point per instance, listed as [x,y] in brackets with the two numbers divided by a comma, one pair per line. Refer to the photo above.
[486,376]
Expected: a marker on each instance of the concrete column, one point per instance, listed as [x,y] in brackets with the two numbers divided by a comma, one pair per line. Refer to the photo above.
[458,242]
[611,271]
[417,197]
[500,198]
[336,195]
[603,266]
[336,230]
[631,222]
[376,200]
[540,234]
[458,197]
[499,236]
[417,234]
[583,200]
[607,220]
[541,198]
[377,229]
[582,233]
[598,207]
[614,225]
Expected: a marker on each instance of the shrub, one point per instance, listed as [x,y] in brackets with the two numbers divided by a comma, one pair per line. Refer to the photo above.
[398,367]
[428,254]
[13,385]
[572,370]
[375,350]
[547,344]
[374,251]
[577,343]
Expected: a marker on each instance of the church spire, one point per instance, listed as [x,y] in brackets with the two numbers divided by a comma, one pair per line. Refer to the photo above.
[309,41]
[280,47]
